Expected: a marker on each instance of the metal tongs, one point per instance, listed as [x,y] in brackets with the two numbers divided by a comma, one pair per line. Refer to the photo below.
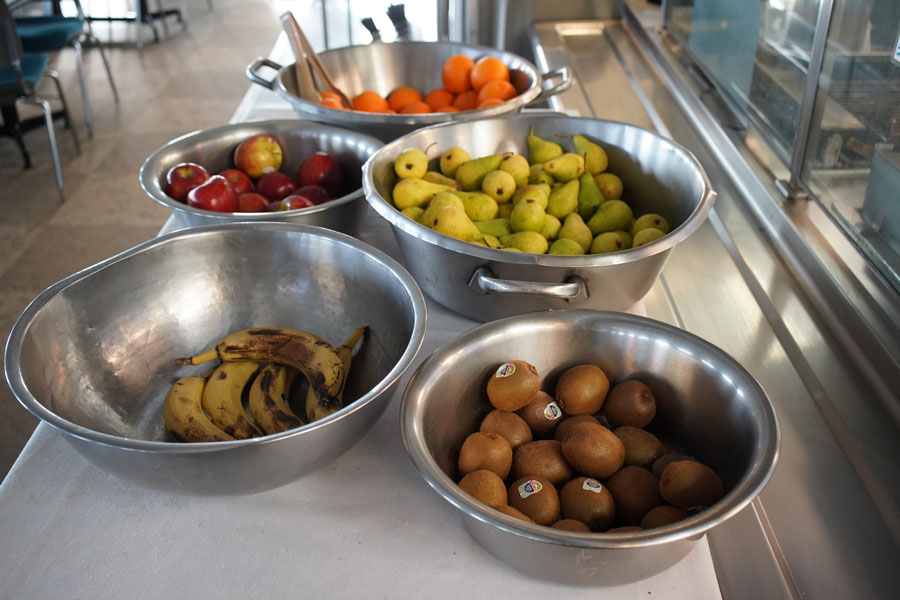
[307,63]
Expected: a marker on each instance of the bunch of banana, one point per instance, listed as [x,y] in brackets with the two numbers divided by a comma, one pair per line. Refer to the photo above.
[183,413]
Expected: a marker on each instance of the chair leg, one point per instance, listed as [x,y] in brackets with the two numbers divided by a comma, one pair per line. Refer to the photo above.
[85,101]
[65,105]
[12,125]
[162,17]
[51,134]
[99,45]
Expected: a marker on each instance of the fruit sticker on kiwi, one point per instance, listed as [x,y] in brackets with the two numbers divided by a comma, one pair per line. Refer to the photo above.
[505,370]
[592,485]
[532,486]
[552,411]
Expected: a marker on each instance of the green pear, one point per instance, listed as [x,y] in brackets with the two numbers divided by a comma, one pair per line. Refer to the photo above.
[415,192]
[595,158]
[567,167]
[471,173]
[452,159]
[510,249]
[566,247]
[452,221]
[494,227]
[610,185]
[526,241]
[491,241]
[436,177]
[624,236]
[437,203]
[609,216]
[478,205]
[411,163]
[563,200]
[541,150]
[646,235]
[499,185]
[536,174]
[504,210]
[534,191]
[650,220]
[574,228]
[551,227]
[517,166]
[527,215]
[589,196]
[413,212]
[607,242]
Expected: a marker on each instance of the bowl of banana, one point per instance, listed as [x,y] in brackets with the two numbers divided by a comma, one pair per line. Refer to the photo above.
[222,359]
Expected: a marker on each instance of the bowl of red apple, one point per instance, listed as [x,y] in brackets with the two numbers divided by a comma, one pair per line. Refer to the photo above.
[276,170]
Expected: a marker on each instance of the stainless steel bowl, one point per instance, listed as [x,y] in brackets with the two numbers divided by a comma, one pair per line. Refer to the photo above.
[384,67]
[93,355]
[705,400]
[482,283]
[214,149]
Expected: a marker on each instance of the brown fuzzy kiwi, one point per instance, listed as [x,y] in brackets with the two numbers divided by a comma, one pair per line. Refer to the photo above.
[624,529]
[508,424]
[662,515]
[642,448]
[485,451]
[593,449]
[660,464]
[537,498]
[588,501]
[568,422]
[542,414]
[543,459]
[485,486]
[571,525]
[630,403]
[581,390]
[688,483]
[513,385]
[514,512]
[636,491]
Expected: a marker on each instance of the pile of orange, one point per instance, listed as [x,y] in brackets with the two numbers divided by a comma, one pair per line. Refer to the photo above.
[468,84]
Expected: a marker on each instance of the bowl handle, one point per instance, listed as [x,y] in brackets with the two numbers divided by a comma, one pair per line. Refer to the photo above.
[252,75]
[573,289]
[565,82]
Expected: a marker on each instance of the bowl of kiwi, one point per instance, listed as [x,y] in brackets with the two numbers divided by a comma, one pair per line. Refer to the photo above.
[588,447]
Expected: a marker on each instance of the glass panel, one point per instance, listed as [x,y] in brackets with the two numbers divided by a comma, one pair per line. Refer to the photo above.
[852,164]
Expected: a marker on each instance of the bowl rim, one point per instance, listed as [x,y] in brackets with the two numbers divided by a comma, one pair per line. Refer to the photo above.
[416,230]
[150,181]
[20,390]
[750,484]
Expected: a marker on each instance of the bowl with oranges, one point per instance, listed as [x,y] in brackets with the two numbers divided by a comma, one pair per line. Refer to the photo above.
[398,87]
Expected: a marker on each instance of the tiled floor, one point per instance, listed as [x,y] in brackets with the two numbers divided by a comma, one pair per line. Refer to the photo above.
[190,80]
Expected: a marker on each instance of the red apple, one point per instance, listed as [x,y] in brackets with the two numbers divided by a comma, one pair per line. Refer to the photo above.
[316,193]
[215,194]
[182,178]
[239,180]
[275,186]
[252,202]
[291,202]
[321,169]
[257,155]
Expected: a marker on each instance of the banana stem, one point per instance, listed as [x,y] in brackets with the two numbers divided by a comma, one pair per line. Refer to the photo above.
[354,338]
[198,359]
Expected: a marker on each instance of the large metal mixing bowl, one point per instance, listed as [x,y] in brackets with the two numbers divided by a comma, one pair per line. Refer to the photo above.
[706,402]
[214,149]
[94,354]
[482,283]
[384,67]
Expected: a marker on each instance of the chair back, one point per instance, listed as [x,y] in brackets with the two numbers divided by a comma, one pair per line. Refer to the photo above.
[10,44]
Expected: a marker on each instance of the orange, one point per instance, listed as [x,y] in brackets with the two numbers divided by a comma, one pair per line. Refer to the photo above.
[448,108]
[498,88]
[488,68]
[455,73]
[332,95]
[438,97]
[466,100]
[489,102]
[415,108]
[332,103]
[403,96]
[370,101]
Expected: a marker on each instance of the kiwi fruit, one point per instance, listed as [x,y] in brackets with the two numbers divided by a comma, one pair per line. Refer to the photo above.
[485,486]
[593,449]
[537,498]
[542,415]
[660,464]
[630,403]
[688,483]
[485,451]
[514,512]
[642,448]
[625,529]
[571,525]
[662,515]
[581,390]
[635,491]
[543,459]
[563,428]
[587,500]
[507,424]
[513,385]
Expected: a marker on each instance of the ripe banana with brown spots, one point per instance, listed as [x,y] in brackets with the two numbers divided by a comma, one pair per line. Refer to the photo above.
[183,413]
[315,408]
[269,399]
[223,398]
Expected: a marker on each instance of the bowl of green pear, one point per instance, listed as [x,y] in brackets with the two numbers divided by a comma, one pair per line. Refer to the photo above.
[501,216]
